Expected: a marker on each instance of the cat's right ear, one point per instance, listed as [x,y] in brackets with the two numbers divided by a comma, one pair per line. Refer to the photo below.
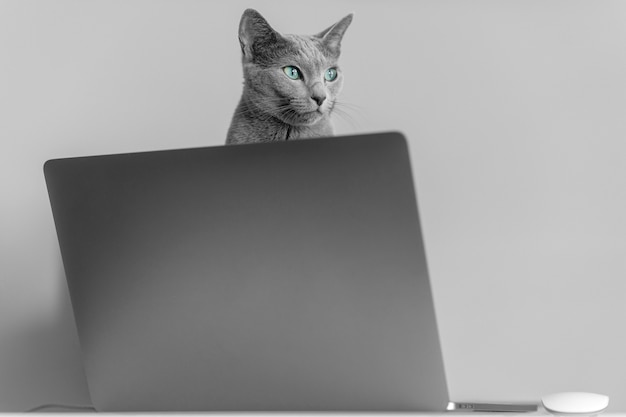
[333,35]
[254,32]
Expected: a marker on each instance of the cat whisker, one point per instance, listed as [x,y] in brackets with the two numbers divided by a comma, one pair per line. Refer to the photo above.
[347,117]
[290,116]
[347,112]
[351,106]
[257,111]
[269,100]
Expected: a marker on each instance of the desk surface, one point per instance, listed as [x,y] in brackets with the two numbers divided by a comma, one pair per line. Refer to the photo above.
[231,414]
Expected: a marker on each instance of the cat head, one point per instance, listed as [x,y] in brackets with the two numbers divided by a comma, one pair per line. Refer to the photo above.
[291,77]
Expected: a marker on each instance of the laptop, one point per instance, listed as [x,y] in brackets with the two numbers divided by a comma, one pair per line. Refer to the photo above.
[283,276]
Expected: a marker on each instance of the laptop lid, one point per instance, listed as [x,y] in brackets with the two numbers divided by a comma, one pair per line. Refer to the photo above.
[265,277]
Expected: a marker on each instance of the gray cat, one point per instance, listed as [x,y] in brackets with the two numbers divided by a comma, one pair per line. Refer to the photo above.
[291,82]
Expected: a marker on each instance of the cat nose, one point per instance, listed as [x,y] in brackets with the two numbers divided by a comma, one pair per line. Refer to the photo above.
[319,99]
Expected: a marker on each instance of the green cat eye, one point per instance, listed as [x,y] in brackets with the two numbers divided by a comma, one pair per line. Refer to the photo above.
[330,74]
[292,72]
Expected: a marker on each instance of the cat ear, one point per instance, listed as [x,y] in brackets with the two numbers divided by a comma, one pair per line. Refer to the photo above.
[332,36]
[253,28]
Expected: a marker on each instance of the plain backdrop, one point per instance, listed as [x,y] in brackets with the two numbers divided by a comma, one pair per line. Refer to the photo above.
[516,116]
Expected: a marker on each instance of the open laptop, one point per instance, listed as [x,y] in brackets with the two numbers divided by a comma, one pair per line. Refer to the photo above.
[266,277]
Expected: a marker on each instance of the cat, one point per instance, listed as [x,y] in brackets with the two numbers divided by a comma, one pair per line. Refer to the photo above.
[291,82]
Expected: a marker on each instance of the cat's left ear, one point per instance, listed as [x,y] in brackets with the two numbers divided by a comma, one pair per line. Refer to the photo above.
[333,35]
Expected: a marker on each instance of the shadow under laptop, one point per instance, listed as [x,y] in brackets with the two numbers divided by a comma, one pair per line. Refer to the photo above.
[46,366]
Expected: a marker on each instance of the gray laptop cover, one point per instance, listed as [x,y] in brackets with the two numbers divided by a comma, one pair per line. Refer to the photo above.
[266,277]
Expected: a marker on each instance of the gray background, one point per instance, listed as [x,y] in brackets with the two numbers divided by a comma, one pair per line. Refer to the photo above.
[515,115]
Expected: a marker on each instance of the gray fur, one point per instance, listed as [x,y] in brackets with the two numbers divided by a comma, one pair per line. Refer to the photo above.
[274,107]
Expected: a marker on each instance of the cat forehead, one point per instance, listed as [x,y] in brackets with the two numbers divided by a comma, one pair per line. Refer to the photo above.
[308,46]
[299,49]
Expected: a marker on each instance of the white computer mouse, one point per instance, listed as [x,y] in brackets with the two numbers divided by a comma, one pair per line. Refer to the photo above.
[575,403]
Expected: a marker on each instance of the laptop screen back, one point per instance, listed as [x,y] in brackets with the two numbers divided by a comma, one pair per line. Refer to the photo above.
[268,277]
